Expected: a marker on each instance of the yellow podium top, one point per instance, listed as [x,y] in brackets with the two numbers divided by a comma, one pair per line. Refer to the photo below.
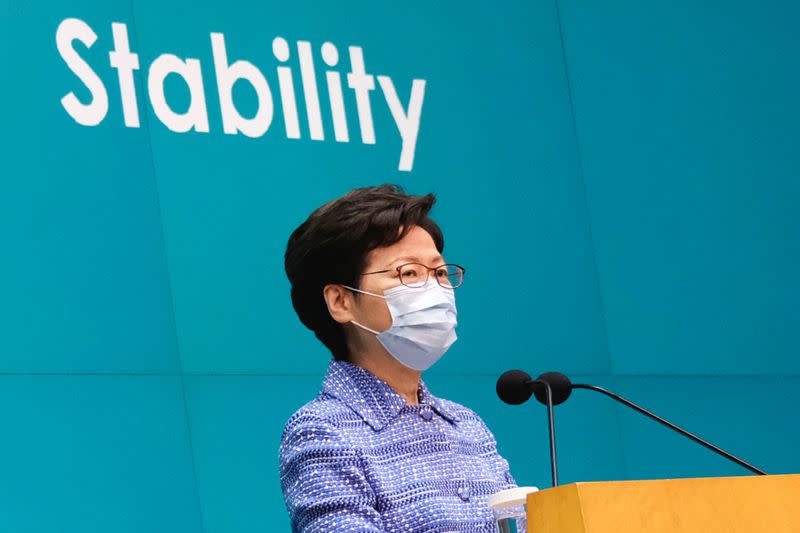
[707,505]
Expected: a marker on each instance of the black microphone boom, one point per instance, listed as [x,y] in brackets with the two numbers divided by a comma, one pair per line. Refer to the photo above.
[670,425]
[553,388]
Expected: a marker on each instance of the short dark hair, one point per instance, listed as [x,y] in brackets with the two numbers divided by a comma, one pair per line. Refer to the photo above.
[331,246]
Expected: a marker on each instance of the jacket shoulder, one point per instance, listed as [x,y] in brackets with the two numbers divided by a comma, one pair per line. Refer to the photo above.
[322,412]
[462,412]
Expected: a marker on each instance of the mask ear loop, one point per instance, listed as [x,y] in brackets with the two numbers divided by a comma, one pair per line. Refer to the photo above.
[365,327]
[371,294]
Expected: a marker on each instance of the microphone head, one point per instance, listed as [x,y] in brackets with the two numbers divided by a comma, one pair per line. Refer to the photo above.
[560,386]
[514,387]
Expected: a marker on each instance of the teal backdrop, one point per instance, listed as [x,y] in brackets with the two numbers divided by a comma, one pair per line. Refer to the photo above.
[620,178]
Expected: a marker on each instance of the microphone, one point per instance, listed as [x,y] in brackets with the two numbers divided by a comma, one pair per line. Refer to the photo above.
[516,387]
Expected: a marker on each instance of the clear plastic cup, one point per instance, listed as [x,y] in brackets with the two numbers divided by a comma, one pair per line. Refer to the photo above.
[510,509]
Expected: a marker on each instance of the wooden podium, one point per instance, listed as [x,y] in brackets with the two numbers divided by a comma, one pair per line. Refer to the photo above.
[745,504]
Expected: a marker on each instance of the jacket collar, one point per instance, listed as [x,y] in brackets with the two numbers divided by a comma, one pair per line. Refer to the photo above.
[369,396]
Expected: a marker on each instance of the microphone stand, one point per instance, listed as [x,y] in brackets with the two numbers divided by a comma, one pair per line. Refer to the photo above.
[553,466]
[655,417]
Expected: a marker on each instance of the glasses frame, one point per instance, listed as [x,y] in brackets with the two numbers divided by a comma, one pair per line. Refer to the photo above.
[428,276]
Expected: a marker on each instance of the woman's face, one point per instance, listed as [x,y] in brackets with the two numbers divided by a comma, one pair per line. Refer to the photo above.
[416,246]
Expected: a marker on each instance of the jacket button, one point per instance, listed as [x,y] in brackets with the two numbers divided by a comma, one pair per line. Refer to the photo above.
[426,413]
[464,493]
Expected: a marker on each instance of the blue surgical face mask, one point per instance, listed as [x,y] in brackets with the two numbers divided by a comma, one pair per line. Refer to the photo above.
[423,323]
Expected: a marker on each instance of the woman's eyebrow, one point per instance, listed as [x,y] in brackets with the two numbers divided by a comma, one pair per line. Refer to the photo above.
[438,260]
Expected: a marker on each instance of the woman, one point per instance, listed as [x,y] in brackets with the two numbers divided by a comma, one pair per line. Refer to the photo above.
[375,450]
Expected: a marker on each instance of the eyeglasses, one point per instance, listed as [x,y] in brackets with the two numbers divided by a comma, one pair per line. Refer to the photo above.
[416,275]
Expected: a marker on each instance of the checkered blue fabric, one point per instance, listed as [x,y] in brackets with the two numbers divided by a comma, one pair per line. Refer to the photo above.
[358,458]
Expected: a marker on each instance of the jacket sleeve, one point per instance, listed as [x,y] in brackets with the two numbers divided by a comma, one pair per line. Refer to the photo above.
[501,465]
[323,480]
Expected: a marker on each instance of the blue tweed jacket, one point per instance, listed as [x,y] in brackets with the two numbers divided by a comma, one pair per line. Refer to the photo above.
[358,458]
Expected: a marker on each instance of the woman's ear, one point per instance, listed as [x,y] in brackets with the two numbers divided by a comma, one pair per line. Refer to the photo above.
[339,301]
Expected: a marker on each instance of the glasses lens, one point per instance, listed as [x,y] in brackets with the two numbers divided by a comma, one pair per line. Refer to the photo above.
[413,275]
[450,276]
